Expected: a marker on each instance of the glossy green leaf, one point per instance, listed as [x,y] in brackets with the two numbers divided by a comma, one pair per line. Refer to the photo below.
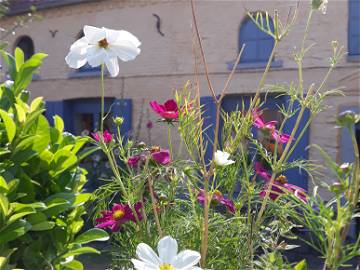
[80,251]
[3,185]
[19,58]
[63,160]
[9,125]
[43,226]
[94,234]
[14,231]
[301,265]
[74,265]
[36,103]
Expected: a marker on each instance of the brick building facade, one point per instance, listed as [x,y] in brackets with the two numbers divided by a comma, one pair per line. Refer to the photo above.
[167,61]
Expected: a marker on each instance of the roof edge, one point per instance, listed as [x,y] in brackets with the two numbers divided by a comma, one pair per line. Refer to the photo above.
[46,5]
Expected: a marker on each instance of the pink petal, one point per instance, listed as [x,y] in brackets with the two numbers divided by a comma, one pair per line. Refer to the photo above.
[171,105]
[162,157]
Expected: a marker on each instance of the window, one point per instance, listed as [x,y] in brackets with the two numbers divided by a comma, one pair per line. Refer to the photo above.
[258,44]
[26,44]
[354,28]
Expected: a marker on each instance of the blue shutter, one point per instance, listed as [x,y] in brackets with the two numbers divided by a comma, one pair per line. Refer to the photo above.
[297,176]
[258,44]
[54,108]
[123,108]
[209,116]
[354,27]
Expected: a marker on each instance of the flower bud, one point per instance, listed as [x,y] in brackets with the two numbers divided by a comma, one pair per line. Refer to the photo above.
[118,121]
[141,145]
[334,44]
[346,119]
[337,188]
[345,167]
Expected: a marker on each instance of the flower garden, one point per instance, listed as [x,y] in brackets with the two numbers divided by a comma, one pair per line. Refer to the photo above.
[231,209]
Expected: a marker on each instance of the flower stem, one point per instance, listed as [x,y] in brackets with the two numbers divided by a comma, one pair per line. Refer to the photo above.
[102,99]
[205,234]
[169,141]
[153,204]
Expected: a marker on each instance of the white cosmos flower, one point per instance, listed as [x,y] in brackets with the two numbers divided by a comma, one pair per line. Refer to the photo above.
[323,6]
[168,258]
[222,158]
[103,46]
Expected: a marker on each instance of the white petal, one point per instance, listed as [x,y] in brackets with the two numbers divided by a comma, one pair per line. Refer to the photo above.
[94,34]
[112,66]
[127,36]
[76,58]
[111,35]
[125,50]
[186,259]
[96,56]
[139,265]
[147,255]
[167,249]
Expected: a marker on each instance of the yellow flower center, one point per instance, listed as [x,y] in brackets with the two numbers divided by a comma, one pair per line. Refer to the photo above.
[118,214]
[282,179]
[166,266]
[103,43]
[218,193]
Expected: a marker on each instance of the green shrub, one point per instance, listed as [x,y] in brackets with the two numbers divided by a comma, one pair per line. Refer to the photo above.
[41,199]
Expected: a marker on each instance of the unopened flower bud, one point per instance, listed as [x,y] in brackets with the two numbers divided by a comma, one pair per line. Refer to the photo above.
[334,44]
[118,121]
[346,119]
[345,167]
[337,188]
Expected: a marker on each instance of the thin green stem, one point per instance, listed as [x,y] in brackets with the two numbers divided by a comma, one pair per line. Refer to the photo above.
[169,141]
[102,99]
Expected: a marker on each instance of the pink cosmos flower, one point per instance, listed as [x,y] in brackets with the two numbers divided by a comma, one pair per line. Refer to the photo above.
[279,186]
[106,136]
[217,198]
[120,214]
[269,126]
[282,138]
[260,170]
[161,156]
[260,123]
[133,161]
[169,110]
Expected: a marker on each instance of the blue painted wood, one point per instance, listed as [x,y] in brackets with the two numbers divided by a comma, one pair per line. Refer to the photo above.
[298,176]
[258,44]
[346,147]
[123,108]
[295,176]
[209,116]
[54,108]
[354,27]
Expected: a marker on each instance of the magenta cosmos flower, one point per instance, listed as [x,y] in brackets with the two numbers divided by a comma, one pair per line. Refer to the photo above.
[120,214]
[269,127]
[169,110]
[106,136]
[217,198]
[161,156]
[279,186]
[134,160]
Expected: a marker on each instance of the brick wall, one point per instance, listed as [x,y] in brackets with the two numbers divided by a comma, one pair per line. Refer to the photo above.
[167,62]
